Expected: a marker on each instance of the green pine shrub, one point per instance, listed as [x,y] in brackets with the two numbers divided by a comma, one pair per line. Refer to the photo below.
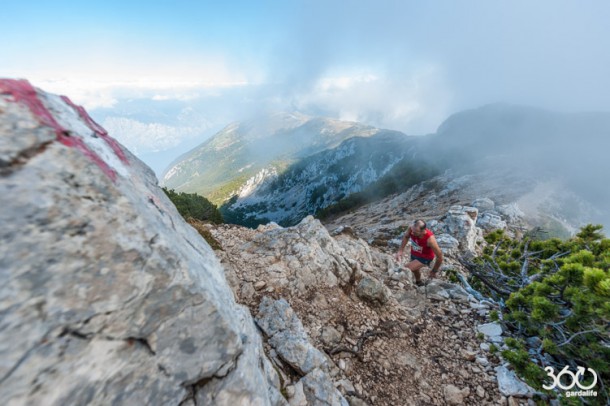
[192,205]
[558,291]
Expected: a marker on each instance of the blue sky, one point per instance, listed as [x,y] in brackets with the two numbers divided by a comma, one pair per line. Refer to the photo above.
[165,74]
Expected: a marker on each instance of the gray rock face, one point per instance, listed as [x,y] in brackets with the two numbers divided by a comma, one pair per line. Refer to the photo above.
[287,336]
[107,295]
[220,390]
[295,259]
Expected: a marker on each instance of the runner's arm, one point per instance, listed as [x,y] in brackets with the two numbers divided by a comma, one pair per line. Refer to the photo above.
[403,243]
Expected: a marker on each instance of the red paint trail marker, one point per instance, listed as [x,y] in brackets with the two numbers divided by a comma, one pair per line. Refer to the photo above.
[24,93]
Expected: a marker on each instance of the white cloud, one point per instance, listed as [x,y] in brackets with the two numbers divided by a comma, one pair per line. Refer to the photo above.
[141,137]
[104,90]
[411,102]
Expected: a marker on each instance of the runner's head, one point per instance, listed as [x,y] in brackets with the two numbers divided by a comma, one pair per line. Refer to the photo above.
[418,228]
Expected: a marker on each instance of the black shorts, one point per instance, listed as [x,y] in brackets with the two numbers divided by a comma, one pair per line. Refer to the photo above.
[422,260]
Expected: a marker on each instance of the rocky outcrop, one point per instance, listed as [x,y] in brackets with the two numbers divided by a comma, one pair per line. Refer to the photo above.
[294,260]
[288,338]
[107,295]
[286,335]
[460,222]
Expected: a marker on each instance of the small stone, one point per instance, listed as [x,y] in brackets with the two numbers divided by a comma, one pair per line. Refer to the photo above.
[247,291]
[454,395]
[510,385]
[346,385]
[470,355]
[482,361]
[290,391]
[260,285]
[480,391]
[533,342]
[490,329]
[354,401]
[512,401]
[495,339]
[485,346]
[330,336]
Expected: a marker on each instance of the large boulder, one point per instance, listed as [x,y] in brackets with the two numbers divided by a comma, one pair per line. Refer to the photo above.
[107,295]
[460,223]
[491,222]
[373,291]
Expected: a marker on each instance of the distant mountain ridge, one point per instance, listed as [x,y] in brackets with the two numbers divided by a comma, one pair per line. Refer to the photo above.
[316,163]
[222,164]
[325,178]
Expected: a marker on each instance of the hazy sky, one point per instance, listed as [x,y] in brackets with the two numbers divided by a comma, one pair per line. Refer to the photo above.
[403,65]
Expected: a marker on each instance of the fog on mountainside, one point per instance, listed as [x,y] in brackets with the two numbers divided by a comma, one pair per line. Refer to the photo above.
[258,161]
[570,148]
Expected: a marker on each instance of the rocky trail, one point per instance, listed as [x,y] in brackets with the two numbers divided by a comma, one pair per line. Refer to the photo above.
[386,341]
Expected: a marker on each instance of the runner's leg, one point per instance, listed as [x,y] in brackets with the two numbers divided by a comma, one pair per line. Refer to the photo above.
[415,266]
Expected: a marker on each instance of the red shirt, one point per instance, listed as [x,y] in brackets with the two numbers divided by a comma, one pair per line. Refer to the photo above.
[419,246]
